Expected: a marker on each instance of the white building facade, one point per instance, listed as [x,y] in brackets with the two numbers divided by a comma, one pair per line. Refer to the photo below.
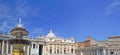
[43,45]
[59,46]
[49,44]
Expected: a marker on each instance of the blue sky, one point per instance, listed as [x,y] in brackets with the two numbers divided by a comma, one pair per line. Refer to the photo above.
[67,18]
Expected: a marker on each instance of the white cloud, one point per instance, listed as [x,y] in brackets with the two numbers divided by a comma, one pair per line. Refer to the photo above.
[9,14]
[20,9]
[114,6]
[110,9]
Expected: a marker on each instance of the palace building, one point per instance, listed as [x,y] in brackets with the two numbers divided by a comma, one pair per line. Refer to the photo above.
[17,43]
[93,47]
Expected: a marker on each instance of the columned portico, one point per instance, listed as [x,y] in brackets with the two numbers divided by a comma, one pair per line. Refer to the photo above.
[37,47]
[43,49]
[28,48]
[3,47]
[104,51]
[11,47]
[7,46]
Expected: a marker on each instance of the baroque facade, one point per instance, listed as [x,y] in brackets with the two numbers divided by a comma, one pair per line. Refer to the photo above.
[52,45]
[49,44]
[17,43]
[59,46]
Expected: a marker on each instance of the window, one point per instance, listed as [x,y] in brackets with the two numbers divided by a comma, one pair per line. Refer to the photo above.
[71,50]
[33,45]
[64,50]
[54,51]
[58,51]
[50,50]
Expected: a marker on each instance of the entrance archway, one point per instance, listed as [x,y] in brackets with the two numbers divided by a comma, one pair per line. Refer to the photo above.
[40,49]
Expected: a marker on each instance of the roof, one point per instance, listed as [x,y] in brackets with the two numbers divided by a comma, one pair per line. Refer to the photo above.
[114,37]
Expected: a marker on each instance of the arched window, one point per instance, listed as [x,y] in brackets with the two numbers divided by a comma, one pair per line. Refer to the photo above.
[50,50]
[55,52]
[64,50]
[33,45]
[71,50]
[58,51]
